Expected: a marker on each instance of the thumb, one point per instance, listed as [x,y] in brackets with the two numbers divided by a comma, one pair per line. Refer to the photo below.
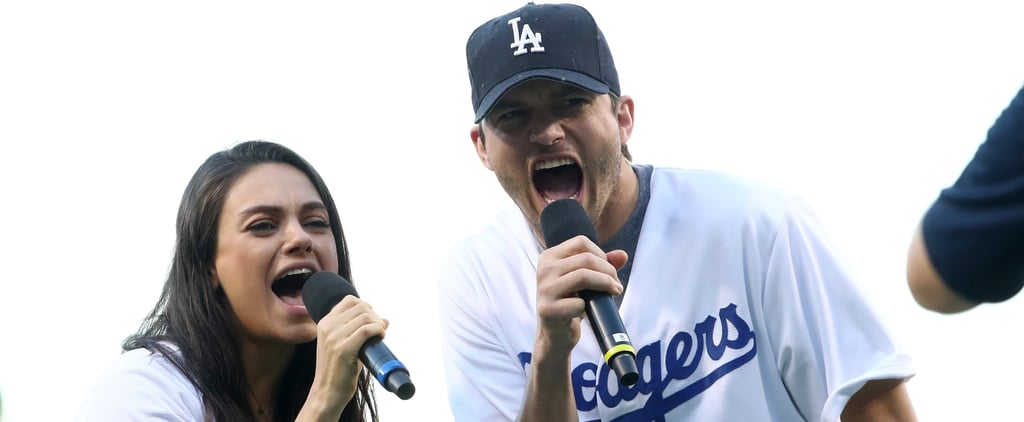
[617,258]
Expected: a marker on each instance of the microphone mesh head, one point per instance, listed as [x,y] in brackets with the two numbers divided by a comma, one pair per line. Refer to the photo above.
[322,291]
[565,219]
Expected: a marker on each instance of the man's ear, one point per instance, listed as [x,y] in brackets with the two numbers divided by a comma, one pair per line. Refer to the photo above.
[476,134]
[624,114]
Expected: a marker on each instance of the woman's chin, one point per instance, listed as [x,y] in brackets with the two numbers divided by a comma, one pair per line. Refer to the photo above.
[299,333]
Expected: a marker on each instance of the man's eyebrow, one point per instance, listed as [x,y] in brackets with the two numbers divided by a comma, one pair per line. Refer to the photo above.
[571,89]
[506,103]
[567,90]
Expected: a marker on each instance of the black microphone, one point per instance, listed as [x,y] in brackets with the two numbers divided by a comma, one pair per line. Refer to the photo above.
[565,219]
[325,289]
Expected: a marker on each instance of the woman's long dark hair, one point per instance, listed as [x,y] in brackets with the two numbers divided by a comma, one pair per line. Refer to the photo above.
[196,318]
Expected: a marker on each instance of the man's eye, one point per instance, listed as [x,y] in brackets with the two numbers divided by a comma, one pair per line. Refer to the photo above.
[511,115]
[575,102]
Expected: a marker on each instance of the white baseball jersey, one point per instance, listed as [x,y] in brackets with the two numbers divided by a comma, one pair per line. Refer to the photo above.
[737,305]
[142,385]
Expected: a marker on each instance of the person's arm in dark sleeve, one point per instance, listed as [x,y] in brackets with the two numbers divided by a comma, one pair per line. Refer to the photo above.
[969,247]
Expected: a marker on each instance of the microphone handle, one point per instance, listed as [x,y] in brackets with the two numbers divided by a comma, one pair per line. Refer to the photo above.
[388,370]
[611,335]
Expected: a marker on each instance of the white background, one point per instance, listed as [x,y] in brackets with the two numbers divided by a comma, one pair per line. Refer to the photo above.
[107,107]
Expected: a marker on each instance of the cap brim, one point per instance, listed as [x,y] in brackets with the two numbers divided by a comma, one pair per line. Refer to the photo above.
[558,75]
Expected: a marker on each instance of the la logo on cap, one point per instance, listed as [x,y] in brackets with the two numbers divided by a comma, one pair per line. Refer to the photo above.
[527,37]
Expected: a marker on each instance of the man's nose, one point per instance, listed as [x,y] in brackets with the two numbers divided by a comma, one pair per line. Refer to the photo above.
[546,129]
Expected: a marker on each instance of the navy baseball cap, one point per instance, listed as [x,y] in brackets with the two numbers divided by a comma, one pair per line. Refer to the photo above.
[560,42]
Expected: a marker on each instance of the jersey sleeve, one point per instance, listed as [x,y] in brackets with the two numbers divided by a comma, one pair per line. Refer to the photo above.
[484,382]
[142,386]
[974,232]
[826,338]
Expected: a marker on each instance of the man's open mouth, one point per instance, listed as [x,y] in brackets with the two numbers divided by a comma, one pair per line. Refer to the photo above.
[557,179]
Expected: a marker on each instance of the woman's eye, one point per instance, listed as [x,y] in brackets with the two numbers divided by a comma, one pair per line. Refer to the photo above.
[321,224]
[261,226]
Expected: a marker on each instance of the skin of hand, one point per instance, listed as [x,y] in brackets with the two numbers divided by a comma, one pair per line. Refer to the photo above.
[340,335]
[562,271]
[576,264]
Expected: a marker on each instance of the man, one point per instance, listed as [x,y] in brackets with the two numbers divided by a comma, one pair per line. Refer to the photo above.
[969,247]
[736,306]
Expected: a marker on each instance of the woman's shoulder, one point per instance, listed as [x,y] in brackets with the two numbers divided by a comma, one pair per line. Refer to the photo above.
[143,361]
[142,383]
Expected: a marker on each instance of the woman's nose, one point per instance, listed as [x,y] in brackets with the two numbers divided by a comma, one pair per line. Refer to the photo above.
[299,240]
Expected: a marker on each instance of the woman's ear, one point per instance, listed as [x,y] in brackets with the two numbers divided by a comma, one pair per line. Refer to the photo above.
[214,278]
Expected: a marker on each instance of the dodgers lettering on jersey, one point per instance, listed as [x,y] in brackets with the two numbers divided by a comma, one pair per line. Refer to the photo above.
[716,347]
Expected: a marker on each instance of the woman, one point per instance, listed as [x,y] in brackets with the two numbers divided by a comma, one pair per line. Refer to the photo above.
[229,339]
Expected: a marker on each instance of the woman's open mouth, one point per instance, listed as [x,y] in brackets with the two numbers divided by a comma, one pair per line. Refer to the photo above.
[289,286]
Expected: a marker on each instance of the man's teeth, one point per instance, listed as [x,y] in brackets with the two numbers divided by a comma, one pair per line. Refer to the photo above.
[573,197]
[554,163]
